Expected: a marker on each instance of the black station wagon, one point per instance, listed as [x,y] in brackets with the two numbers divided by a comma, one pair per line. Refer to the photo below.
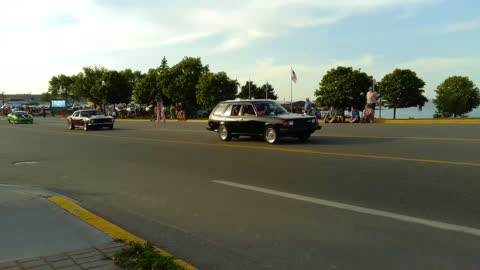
[259,118]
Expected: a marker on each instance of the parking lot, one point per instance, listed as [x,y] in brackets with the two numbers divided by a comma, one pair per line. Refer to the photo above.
[352,197]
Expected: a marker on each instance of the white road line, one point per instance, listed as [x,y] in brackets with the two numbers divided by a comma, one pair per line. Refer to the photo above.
[359,209]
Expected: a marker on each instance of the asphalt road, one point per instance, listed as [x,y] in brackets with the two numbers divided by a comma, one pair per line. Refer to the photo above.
[353,197]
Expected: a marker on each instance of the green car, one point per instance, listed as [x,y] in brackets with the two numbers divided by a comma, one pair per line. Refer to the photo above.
[20,118]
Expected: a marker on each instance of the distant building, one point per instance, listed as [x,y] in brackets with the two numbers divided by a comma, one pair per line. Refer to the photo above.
[20,99]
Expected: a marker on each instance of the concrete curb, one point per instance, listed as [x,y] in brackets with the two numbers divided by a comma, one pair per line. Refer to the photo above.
[109,228]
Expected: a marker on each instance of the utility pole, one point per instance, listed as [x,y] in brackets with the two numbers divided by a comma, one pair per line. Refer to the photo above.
[266,91]
[249,88]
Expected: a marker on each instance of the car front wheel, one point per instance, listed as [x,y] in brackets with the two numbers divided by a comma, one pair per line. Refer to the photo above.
[271,135]
[70,125]
[224,133]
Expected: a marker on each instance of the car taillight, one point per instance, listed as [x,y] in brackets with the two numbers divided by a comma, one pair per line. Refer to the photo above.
[285,124]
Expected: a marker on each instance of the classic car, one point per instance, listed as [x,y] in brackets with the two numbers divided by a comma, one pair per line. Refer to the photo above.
[89,119]
[259,118]
[20,117]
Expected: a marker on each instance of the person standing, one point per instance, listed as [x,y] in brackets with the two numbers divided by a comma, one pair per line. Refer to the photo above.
[162,112]
[372,98]
[308,107]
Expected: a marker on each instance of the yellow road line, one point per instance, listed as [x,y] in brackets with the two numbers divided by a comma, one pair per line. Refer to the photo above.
[398,137]
[107,227]
[290,150]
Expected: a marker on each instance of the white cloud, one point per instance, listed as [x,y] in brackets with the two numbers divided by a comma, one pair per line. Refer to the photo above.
[464,26]
[34,38]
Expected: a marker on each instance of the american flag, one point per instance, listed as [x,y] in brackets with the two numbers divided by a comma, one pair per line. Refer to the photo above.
[294,76]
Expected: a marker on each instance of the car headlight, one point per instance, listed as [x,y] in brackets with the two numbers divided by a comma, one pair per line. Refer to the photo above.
[314,120]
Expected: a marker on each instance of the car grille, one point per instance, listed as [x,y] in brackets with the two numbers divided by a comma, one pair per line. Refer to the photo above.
[302,123]
[100,121]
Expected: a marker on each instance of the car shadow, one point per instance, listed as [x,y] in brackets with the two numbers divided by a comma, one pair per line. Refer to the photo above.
[319,140]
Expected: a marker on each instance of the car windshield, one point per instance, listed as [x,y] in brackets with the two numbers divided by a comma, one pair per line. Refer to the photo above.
[20,114]
[90,113]
[269,108]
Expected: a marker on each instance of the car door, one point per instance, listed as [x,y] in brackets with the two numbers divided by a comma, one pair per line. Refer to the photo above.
[248,119]
[234,118]
[74,118]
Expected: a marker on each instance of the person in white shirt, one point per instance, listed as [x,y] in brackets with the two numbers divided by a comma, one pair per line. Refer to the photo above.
[372,97]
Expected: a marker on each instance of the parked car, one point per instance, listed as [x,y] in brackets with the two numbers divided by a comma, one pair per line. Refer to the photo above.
[265,118]
[20,117]
[89,119]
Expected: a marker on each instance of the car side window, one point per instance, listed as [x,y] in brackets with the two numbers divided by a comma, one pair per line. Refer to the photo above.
[247,110]
[228,111]
[76,114]
[220,108]
[236,109]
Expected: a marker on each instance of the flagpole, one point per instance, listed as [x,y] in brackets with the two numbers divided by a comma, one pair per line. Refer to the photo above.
[291,92]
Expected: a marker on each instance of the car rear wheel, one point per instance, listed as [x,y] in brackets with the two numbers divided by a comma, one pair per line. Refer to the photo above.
[224,133]
[303,137]
[271,135]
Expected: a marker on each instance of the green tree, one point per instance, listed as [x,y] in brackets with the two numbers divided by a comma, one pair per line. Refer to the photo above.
[402,89]
[456,97]
[180,82]
[61,86]
[133,77]
[343,88]
[147,88]
[163,65]
[87,84]
[215,87]
[249,90]
[266,88]
[46,97]
[117,87]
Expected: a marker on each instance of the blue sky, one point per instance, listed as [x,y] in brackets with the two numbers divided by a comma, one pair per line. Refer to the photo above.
[260,40]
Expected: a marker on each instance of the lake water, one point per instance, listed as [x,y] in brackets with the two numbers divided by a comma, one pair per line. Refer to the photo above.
[427,112]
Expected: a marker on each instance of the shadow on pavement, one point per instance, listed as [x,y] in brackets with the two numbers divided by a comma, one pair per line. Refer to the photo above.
[318,141]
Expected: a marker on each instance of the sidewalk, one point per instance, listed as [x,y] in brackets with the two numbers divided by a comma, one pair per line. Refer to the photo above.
[37,234]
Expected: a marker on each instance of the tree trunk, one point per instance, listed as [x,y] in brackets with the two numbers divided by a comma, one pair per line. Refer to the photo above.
[394,113]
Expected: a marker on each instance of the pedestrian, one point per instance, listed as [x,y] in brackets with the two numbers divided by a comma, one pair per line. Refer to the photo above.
[44,113]
[368,114]
[52,113]
[372,98]
[308,107]
[162,112]
[173,112]
[355,116]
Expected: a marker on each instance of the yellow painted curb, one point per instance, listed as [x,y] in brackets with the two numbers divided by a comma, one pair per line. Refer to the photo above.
[109,228]
[429,121]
